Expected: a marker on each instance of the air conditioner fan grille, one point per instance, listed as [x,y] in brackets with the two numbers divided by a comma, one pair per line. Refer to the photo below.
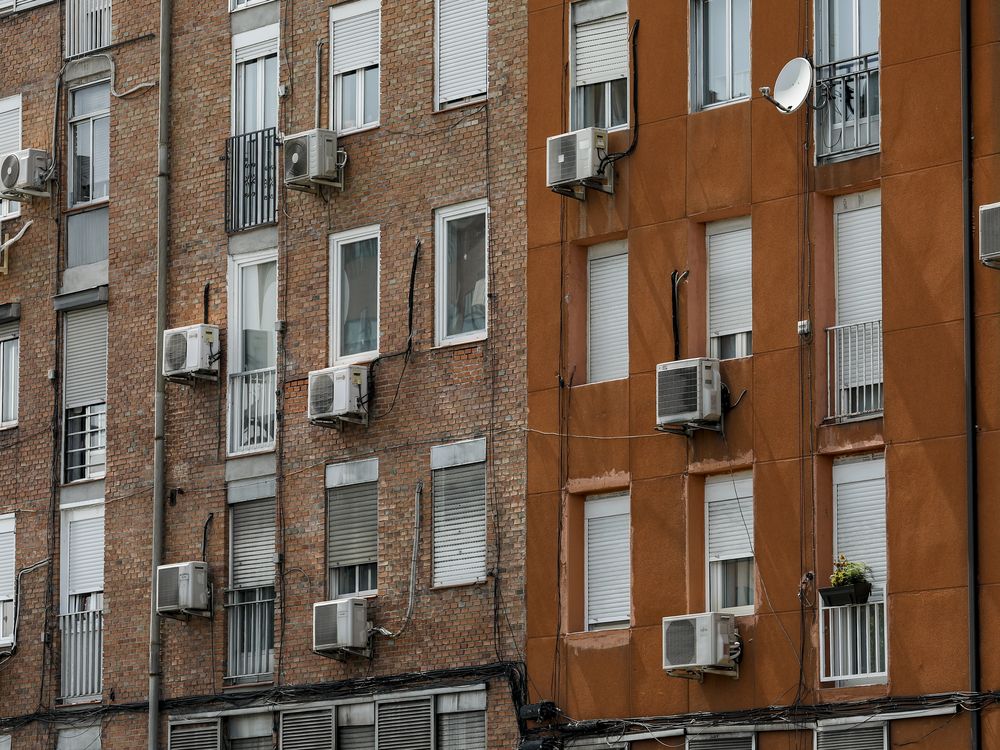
[680,642]
[296,158]
[175,351]
[326,625]
[10,171]
[677,391]
[321,395]
[989,234]
[168,588]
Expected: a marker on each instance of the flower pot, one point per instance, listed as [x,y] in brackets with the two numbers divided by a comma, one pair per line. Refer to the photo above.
[850,593]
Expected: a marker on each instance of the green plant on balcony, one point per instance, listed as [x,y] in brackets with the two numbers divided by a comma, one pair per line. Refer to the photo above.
[850,583]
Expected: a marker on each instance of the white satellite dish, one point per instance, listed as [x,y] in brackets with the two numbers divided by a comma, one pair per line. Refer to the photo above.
[792,87]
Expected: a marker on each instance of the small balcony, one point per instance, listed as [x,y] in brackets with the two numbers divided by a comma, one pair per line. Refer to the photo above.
[853,643]
[250,652]
[251,189]
[88,26]
[847,92]
[252,411]
[82,635]
[854,370]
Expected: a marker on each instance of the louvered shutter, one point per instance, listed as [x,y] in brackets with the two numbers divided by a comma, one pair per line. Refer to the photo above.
[600,48]
[206,736]
[462,49]
[608,559]
[7,558]
[253,544]
[607,347]
[730,525]
[307,730]
[356,738]
[356,40]
[86,375]
[857,738]
[256,49]
[352,524]
[459,524]
[859,265]
[8,330]
[85,551]
[461,731]
[730,307]
[10,140]
[405,725]
[859,521]
[721,742]
[81,738]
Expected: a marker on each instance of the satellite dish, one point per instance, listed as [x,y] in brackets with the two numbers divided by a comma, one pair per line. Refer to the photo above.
[792,87]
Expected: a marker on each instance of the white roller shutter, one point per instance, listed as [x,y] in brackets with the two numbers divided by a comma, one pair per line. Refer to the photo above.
[608,560]
[600,49]
[252,45]
[355,34]
[461,731]
[859,515]
[858,738]
[405,725]
[352,524]
[459,524]
[84,534]
[252,544]
[607,311]
[202,736]
[307,730]
[86,365]
[721,742]
[7,557]
[859,265]
[80,738]
[462,49]
[10,140]
[729,505]
[730,294]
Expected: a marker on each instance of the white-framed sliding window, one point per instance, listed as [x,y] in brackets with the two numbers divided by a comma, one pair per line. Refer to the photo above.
[82,559]
[729,543]
[869,735]
[355,54]
[352,528]
[10,347]
[89,143]
[459,512]
[730,289]
[354,295]
[255,80]
[10,140]
[12,6]
[720,52]
[461,51]
[599,64]
[607,552]
[859,531]
[460,721]
[461,241]
[253,295]
[8,577]
[607,311]
[241,4]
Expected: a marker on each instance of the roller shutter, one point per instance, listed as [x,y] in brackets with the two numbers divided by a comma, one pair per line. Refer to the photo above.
[462,49]
[356,39]
[730,525]
[459,524]
[607,329]
[405,725]
[85,550]
[204,736]
[253,544]
[730,306]
[352,524]
[600,49]
[859,738]
[859,265]
[859,515]
[307,730]
[608,559]
[86,365]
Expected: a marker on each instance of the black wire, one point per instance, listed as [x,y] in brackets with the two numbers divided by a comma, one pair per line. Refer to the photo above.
[612,158]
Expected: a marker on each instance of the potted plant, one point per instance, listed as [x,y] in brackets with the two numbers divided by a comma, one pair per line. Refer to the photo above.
[850,583]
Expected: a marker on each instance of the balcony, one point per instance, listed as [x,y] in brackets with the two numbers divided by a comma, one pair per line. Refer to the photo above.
[852,642]
[250,180]
[848,94]
[252,411]
[88,26]
[854,370]
[250,652]
[82,635]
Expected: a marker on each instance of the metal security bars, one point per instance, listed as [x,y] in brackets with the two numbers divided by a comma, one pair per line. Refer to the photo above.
[252,410]
[88,26]
[853,642]
[250,180]
[250,652]
[82,635]
[854,367]
[847,93]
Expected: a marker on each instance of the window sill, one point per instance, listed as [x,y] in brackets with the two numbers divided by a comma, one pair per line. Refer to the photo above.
[464,340]
[82,208]
[470,102]
[832,421]
[4,428]
[355,131]
[738,611]
[602,382]
[85,480]
[463,584]
[605,627]
[718,105]
[243,454]
[365,358]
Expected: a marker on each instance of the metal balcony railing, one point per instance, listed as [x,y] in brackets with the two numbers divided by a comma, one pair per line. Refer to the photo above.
[82,636]
[847,93]
[250,180]
[252,410]
[854,370]
[853,642]
[250,651]
[88,26]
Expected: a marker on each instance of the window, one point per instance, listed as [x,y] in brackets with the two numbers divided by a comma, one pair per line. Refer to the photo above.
[354,298]
[461,721]
[721,742]
[85,393]
[599,64]
[608,561]
[7,579]
[89,144]
[859,515]
[462,51]
[356,727]
[88,26]
[729,541]
[10,140]
[240,4]
[352,528]
[14,6]
[255,80]
[79,738]
[81,619]
[9,363]
[868,736]
[355,39]
[87,237]
[730,292]
[252,732]
[720,67]
[607,311]
[459,512]
[250,597]
[462,248]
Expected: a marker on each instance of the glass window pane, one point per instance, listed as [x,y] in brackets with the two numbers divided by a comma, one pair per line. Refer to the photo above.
[713,39]
[371,95]
[465,294]
[80,189]
[741,48]
[247,120]
[349,101]
[345,578]
[258,314]
[8,380]
[619,102]
[868,26]
[841,29]
[87,237]
[368,577]
[358,296]
[270,92]
[90,99]
[590,106]
[102,159]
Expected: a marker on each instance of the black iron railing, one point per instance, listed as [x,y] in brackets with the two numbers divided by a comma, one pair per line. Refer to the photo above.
[251,192]
[847,93]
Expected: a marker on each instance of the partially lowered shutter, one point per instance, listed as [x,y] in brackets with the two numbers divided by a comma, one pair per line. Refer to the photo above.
[721,742]
[462,47]
[405,725]
[7,558]
[859,265]
[857,738]
[86,365]
[352,523]
[730,294]
[80,738]
[608,559]
[459,524]
[461,731]
[10,140]
[253,544]
[600,49]
[729,505]
[202,736]
[607,311]
[256,44]
[859,515]
[356,38]
[307,730]
[85,550]
[356,726]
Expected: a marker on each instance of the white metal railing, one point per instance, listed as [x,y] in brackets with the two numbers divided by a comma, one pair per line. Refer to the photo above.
[252,410]
[847,92]
[853,642]
[88,26]
[854,370]
[82,635]
[86,442]
[250,651]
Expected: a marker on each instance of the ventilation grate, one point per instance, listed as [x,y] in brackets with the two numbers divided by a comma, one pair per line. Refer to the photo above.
[677,391]
[680,642]
[168,588]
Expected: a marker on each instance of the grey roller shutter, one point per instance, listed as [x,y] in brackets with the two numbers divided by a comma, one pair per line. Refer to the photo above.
[461,731]
[356,738]
[597,743]
[253,544]
[356,41]
[405,725]
[858,738]
[86,366]
[608,559]
[462,45]
[730,525]
[206,736]
[307,730]
[81,738]
[459,524]
[730,307]
[600,49]
[859,265]
[352,524]
[8,330]
[721,742]
[85,555]
[7,559]
[859,524]
[607,330]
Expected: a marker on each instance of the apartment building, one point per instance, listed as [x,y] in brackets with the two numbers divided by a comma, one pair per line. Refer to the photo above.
[747,356]
[335,410]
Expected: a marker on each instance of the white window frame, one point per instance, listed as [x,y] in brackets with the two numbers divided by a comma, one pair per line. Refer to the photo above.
[93,117]
[744,335]
[15,6]
[346,474]
[8,606]
[573,93]
[14,381]
[236,265]
[12,209]
[241,41]
[598,252]
[471,98]
[340,13]
[719,488]
[442,217]
[602,506]
[81,512]
[235,5]
[337,242]
[698,72]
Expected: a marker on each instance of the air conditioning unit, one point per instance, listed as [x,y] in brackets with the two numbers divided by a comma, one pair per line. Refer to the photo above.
[575,159]
[693,643]
[688,392]
[191,351]
[310,158]
[339,393]
[340,624]
[182,587]
[989,235]
[23,174]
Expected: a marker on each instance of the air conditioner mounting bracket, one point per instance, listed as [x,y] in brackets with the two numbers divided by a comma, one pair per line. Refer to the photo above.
[579,191]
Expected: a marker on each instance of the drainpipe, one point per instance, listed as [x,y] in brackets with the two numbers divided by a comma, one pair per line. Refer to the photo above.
[159,417]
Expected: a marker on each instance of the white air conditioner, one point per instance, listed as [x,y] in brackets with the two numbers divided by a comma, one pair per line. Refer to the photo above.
[340,624]
[23,174]
[700,642]
[989,235]
[182,587]
[192,350]
[310,158]
[688,392]
[339,393]
[575,159]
